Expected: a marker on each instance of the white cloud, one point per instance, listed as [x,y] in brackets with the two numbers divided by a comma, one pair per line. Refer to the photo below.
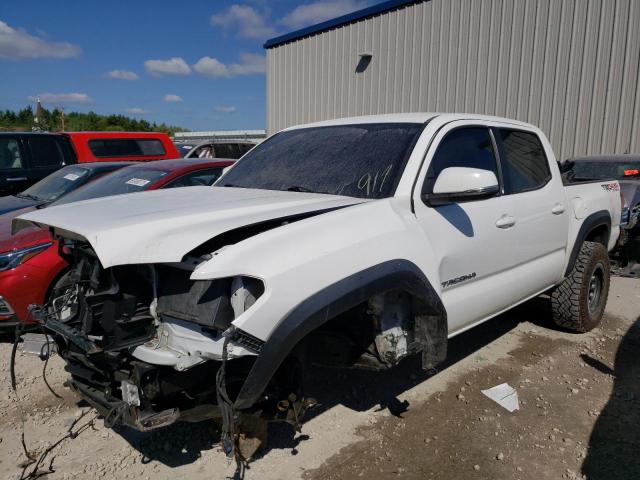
[250,64]
[173,66]
[223,109]
[316,12]
[211,67]
[62,98]
[244,19]
[137,111]
[171,98]
[19,44]
[122,75]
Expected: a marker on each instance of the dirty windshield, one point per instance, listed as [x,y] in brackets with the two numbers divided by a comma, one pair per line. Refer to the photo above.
[364,161]
[127,180]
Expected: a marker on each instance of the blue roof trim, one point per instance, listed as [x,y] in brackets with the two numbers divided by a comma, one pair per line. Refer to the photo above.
[336,22]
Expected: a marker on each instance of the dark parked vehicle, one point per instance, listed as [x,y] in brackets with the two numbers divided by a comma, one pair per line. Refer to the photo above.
[58,184]
[625,169]
[215,149]
[26,158]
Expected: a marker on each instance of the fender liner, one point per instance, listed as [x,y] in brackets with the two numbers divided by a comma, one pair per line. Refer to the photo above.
[429,312]
[595,220]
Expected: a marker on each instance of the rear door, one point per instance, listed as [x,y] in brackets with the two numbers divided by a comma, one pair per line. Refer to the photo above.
[47,154]
[539,203]
[14,176]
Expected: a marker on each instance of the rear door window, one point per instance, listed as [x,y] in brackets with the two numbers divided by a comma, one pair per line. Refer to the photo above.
[524,163]
[45,152]
[126,147]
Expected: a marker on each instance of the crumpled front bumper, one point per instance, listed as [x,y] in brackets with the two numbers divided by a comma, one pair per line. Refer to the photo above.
[118,412]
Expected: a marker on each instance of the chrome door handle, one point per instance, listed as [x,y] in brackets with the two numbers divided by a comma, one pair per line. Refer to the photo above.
[506,221]
[558,209]
[16,179]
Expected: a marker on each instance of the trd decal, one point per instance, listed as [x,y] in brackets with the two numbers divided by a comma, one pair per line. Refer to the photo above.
[611,187]
[457,280]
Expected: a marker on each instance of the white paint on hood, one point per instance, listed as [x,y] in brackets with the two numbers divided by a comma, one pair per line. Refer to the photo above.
[162,226]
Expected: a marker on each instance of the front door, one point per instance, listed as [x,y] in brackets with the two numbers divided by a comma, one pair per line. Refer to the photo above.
[472,240]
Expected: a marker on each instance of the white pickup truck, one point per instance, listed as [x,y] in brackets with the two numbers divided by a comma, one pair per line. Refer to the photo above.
[352,242]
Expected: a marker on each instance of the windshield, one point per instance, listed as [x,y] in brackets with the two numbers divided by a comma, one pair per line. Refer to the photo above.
[57,184]
[364,161]
[125,180]
[604,170]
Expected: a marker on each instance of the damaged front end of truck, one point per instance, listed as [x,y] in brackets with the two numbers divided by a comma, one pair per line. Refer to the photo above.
[147,346]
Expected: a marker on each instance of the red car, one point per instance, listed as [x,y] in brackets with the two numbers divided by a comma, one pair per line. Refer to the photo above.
[109,146]
[31,270]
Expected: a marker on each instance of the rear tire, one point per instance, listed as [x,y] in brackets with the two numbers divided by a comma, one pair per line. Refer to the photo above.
[578,303]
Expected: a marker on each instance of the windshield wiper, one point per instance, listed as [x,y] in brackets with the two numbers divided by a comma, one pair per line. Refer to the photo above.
[29,196]
[298,188]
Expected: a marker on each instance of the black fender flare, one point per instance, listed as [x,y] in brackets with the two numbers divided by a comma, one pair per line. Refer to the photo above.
[430,315]
[593,221]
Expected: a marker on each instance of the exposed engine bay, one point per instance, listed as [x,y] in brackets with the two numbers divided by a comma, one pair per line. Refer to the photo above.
[146,345]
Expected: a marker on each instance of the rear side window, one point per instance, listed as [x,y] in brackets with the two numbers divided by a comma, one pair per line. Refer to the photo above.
[46,152]
[469,147]
[524,163]
[227,150]
[126,147]
[10,153]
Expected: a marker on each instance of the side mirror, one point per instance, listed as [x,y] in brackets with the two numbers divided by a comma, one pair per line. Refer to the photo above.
[462,184]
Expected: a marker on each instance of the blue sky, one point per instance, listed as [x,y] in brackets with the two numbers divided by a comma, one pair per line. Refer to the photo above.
[196,64]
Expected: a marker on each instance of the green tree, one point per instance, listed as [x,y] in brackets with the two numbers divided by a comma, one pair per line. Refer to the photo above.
[76,121]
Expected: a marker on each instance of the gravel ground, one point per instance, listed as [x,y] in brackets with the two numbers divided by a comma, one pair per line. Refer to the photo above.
[579,414]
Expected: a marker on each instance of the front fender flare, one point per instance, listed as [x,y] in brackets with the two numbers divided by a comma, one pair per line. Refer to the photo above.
[430,315]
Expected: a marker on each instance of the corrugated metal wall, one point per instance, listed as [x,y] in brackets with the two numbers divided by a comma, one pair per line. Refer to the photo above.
[568,66]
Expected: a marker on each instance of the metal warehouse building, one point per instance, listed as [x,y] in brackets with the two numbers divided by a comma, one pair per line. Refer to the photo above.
[568,66]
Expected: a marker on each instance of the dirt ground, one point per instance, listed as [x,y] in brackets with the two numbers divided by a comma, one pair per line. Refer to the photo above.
[579,414]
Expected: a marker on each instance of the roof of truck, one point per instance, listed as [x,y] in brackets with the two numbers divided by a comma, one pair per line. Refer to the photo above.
[413,117]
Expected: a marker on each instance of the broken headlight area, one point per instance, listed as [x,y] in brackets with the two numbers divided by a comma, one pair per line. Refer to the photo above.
[144,343]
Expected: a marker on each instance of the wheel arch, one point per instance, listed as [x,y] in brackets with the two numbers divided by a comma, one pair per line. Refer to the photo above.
[61,273]
[595,228]
[431,319]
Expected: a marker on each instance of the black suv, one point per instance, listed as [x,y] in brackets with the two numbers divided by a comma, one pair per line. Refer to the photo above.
[26,158]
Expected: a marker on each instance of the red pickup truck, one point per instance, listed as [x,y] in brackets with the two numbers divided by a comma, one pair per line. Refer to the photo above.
[110,146]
